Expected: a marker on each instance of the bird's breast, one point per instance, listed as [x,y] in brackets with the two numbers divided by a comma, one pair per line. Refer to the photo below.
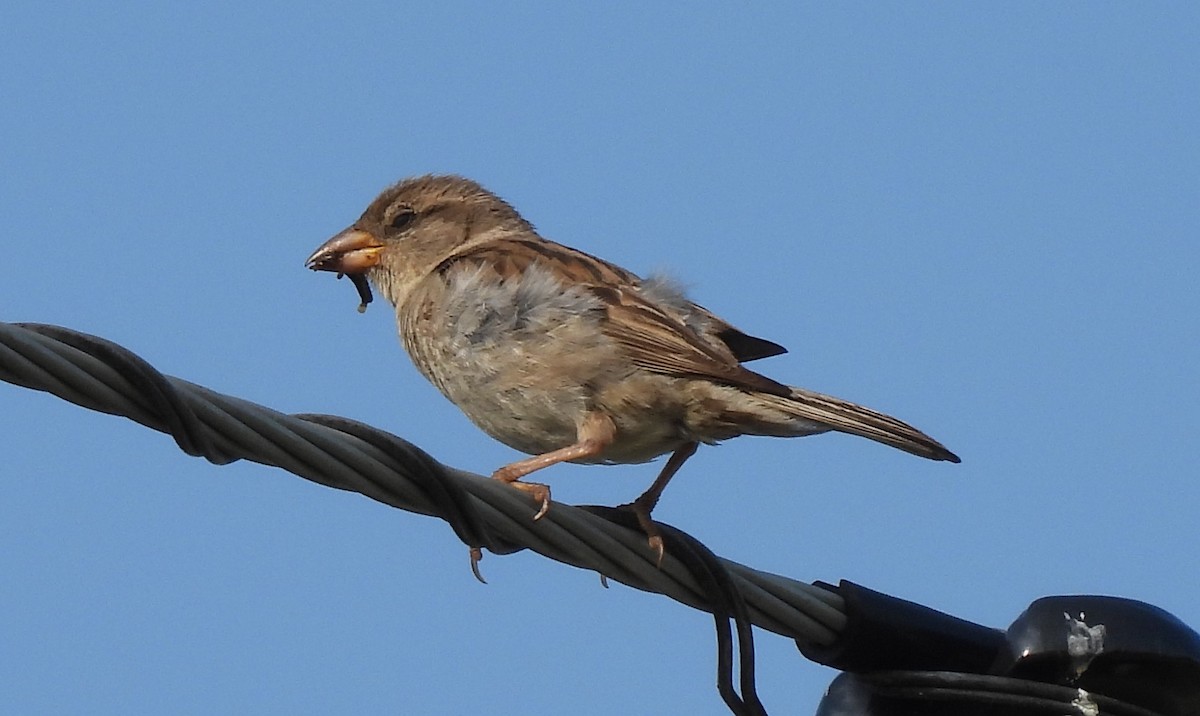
[521,357]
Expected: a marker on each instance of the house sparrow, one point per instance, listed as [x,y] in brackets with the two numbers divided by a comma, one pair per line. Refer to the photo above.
[565,356]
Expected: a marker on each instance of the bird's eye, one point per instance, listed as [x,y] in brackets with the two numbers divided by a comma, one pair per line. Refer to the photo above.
[403,218]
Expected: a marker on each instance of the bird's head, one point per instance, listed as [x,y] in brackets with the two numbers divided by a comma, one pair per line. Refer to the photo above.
[409,229]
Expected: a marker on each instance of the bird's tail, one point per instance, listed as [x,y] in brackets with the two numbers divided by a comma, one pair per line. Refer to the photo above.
[843,416]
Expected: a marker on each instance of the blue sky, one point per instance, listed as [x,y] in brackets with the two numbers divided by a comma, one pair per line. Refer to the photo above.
[981,218]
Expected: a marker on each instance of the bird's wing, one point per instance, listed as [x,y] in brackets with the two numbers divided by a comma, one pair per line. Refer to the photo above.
[657,341]
[744,346]
[651,337]
[665,293]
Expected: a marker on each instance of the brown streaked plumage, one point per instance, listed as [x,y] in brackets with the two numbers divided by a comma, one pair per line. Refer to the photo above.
[568,357]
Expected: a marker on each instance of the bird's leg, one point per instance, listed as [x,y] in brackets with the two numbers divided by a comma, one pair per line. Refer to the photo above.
[595,433]
[644,504]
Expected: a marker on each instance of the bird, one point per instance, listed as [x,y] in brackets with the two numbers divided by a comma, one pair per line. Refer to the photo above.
[565,356]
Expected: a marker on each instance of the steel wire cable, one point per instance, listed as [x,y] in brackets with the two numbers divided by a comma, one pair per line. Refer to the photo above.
[347,455]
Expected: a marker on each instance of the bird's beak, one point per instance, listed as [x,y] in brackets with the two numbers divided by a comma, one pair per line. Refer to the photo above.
[353,251]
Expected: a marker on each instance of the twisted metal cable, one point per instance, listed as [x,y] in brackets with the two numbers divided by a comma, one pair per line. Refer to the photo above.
[343,454]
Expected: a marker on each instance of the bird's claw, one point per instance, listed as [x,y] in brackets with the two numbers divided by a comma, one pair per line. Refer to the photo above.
[653,534]
[476,555]
[655,541]
[540,492]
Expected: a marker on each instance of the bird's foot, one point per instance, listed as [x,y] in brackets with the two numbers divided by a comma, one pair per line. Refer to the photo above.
[540,492]
[654,539]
